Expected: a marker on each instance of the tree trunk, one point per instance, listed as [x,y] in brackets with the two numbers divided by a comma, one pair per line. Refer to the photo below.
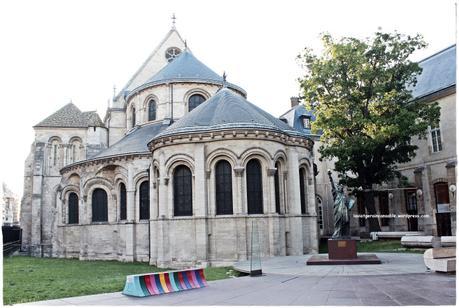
[369,202]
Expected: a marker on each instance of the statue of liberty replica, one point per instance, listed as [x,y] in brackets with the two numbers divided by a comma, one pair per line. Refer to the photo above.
[341,207]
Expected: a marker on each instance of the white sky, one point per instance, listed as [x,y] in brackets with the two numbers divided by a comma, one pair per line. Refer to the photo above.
[52,52]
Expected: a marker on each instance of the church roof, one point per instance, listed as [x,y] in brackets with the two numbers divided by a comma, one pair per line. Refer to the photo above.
[71,116]
[133,143]
[227,110]
[186,68]
[438,73]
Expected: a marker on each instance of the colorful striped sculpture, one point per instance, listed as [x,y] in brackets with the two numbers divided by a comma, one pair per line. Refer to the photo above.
[165,282]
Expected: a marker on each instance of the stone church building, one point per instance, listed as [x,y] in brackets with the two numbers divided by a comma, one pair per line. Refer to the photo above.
[176,174]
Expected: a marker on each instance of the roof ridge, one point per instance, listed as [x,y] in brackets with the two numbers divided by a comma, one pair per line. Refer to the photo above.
[437,53]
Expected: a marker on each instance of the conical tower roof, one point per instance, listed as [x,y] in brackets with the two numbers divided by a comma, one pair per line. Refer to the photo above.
[227,110]
[186,68]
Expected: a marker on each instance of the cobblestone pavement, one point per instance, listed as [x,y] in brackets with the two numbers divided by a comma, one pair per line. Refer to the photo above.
[275,289]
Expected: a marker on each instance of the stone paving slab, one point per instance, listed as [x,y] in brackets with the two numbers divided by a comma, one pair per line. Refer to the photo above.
[275,290]
[392,264]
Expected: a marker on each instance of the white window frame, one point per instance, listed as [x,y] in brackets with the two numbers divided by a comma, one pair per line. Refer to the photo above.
[436,141]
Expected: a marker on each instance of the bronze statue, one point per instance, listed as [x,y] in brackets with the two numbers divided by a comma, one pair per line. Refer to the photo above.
[341,207]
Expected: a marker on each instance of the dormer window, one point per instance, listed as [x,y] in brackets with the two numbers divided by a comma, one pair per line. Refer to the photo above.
[306,123]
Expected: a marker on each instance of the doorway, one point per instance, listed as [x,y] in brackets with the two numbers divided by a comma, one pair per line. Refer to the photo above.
[411,209]
[443,215]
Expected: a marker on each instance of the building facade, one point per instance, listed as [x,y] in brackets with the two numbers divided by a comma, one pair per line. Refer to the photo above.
[178,174]
[428,185]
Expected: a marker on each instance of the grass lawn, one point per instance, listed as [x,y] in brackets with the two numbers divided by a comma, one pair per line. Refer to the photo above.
[377,246]
[27,279]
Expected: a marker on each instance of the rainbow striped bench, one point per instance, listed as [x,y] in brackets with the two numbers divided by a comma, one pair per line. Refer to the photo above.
[164,282]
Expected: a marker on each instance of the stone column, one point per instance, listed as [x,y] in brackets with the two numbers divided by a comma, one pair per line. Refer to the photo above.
[200,205]
[160,230]
[272,217]
[130,217]
[240,213]
[37,195]
[295,232]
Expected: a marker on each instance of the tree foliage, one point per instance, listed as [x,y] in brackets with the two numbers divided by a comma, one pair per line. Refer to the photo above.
[361,94]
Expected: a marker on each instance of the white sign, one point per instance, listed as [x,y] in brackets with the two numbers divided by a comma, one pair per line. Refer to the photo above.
[443,208]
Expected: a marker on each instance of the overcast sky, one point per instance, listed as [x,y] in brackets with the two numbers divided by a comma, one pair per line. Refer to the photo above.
[56,51]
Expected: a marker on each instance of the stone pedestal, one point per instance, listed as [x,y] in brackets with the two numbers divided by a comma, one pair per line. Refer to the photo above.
[344,249]
[343,252]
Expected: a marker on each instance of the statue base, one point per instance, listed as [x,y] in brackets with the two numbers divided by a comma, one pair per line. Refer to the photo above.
[342,249]
[342,252]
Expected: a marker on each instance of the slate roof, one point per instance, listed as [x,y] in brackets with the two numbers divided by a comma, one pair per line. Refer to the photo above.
[298,112]
[227,110]
[135,142]
[438,73]
[186,68]
[71,116]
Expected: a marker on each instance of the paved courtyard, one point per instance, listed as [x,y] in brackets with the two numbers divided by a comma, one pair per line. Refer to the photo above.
[295,286]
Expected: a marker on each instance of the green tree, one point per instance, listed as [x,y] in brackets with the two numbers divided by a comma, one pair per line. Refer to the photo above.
[360,91]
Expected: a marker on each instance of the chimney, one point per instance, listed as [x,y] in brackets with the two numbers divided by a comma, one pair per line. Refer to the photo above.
[295,101]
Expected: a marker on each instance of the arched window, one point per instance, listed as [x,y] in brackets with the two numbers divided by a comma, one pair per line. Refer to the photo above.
[320,217]
[254,187]
[276,188]
[99,205]
[55,155]
[144,200]
[195,100]
[73,208]
[223,188]
[74,152]
[303,190]
[151,110]
[183,195]
[133,117]
[123,208]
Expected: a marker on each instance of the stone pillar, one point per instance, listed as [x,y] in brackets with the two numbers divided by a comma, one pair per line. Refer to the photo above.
[37,195]
[130,217]
[295,237]
[162,223]
[240,212]
[272,220]
[422,180]
[200,205]
[451,175]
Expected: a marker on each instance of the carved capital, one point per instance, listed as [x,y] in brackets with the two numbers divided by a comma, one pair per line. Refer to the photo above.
[166,180]
[238,170]
[271,171]
[208,172]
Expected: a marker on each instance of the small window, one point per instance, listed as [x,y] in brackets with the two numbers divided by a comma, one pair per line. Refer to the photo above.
[151,110]
[99,205]
[320,218]
[73,208]
[195,100]
[276,188]
[144,200]
[436,139]
[133,117]
[306,123]
[172,53]
[123,208]
[303,190]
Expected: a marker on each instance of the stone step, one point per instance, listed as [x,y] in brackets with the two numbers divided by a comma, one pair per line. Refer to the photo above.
[443,264]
